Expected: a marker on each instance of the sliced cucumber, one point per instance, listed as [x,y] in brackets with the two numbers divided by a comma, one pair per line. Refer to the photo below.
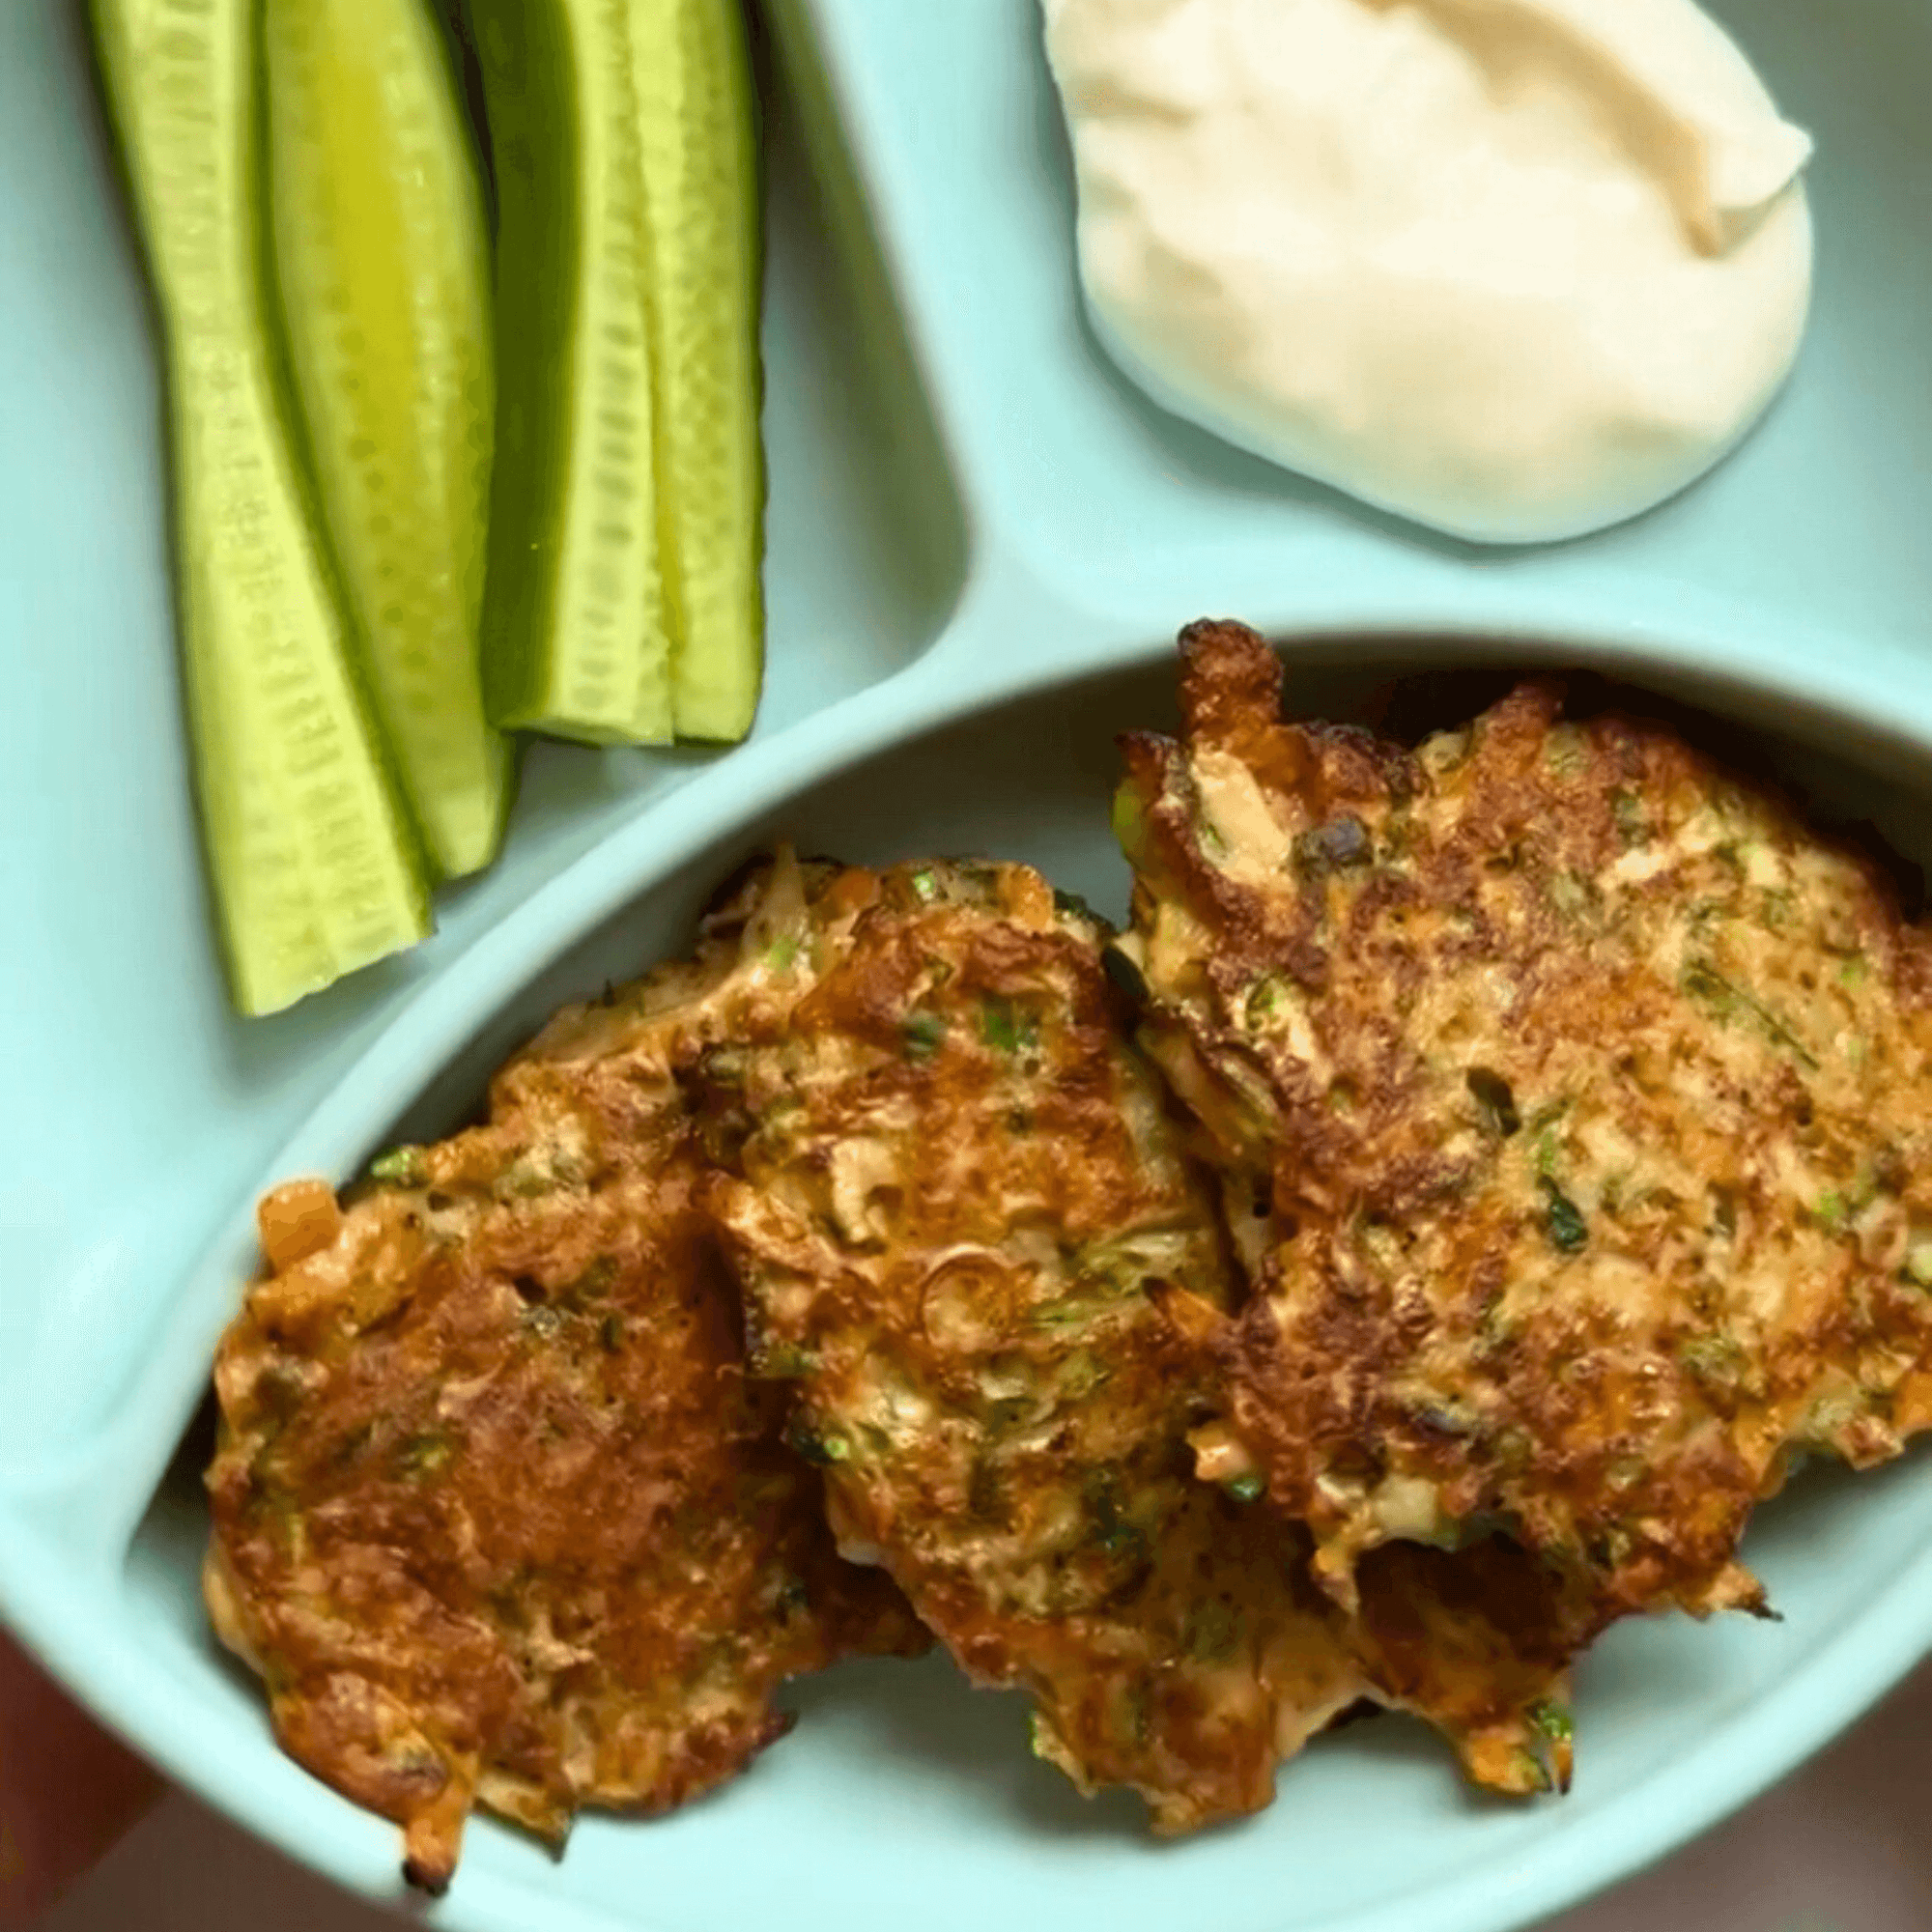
[574,631]
[315,869]
[697,114]
[383,268]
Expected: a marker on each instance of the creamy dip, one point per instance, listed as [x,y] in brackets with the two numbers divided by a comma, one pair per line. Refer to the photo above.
[1517,269]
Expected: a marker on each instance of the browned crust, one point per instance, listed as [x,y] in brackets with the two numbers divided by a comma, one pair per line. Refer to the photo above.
[1608,1320]
[975,1331]
[495,1513]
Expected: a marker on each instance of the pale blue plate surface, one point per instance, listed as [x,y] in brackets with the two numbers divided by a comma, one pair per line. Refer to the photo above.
[988,538]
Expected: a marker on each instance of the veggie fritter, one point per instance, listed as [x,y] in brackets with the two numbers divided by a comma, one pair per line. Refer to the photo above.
[960,1214]
[972,1248]
[1580,1093]
[498,1515]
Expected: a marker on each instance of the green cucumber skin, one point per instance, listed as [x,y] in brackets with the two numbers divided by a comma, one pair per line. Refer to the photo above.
[392,374]
[701,174]
[574,631]
[313,864]
[526,82]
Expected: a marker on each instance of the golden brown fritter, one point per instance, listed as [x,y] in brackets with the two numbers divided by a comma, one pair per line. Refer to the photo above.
[970,1244]
[497,1514]
[960,1211]
[1582,1101]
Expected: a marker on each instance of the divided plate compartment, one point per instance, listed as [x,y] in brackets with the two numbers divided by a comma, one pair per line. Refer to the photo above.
[981,543]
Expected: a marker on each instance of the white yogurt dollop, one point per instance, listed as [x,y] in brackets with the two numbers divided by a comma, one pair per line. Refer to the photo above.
[1517,269]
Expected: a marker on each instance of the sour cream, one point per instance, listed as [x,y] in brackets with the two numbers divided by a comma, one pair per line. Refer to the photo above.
[1517,269]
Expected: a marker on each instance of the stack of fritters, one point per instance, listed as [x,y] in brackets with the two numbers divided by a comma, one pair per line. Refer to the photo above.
[497,1514]
[1537,1160]
[1572,1099]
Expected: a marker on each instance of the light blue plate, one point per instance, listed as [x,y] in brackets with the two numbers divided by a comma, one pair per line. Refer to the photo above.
[980,542]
